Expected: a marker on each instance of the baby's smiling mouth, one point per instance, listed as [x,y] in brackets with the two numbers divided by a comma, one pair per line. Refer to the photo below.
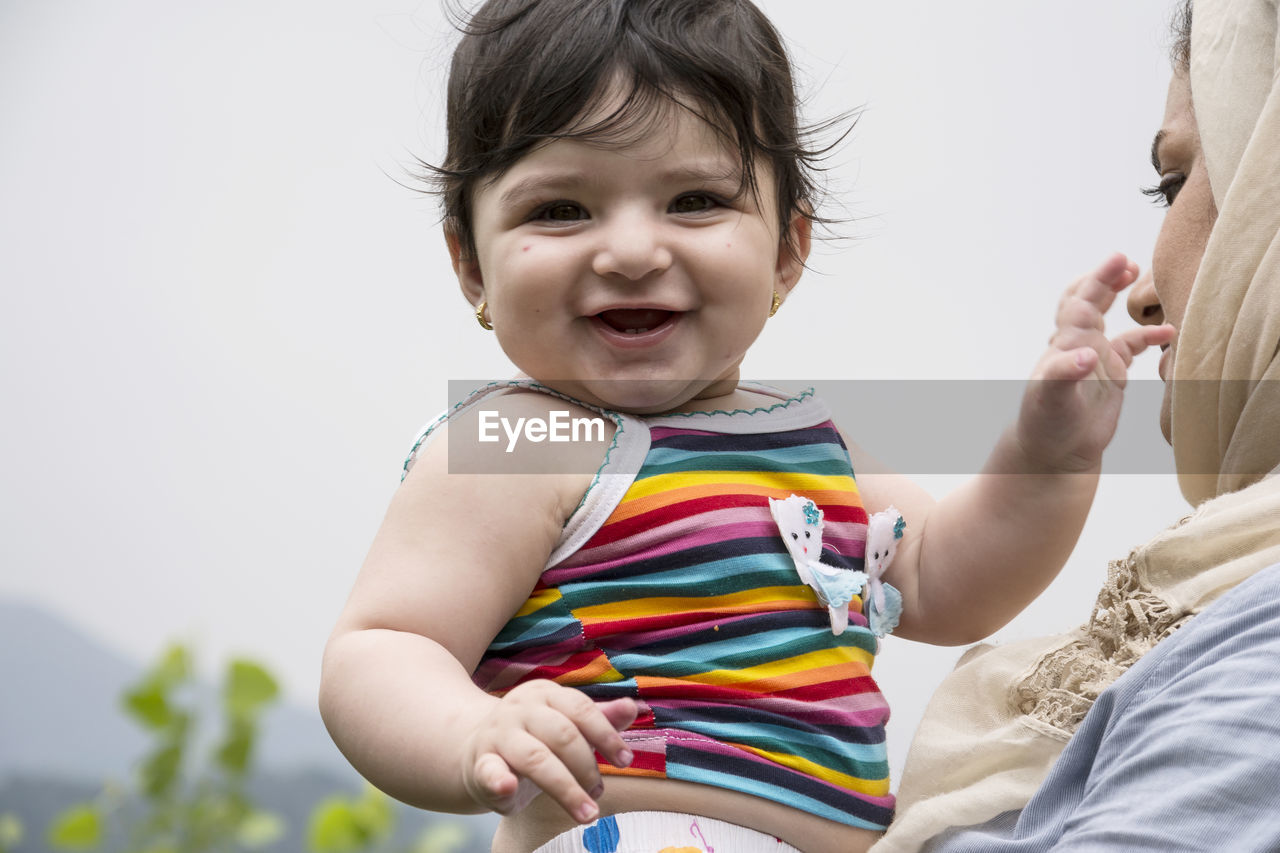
[634,321]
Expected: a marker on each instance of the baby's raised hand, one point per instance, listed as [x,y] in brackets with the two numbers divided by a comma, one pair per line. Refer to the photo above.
[1071,408]
[542,737]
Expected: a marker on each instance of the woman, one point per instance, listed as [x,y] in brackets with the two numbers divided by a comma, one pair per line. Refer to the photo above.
[1020,749]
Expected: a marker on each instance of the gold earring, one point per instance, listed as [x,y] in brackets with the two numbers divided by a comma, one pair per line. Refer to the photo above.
[484,324]
[777,303]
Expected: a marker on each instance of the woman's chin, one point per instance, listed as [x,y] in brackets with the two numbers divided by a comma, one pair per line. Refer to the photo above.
[1166,415]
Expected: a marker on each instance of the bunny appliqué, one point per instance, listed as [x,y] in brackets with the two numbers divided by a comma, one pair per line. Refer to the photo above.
[800,522]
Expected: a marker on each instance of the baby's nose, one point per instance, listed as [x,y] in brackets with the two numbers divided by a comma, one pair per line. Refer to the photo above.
[633,247]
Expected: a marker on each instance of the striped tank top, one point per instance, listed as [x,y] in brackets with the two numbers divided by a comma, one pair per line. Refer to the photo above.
[671,585]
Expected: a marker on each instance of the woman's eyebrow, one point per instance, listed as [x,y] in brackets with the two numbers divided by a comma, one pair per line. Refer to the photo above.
[1155,150]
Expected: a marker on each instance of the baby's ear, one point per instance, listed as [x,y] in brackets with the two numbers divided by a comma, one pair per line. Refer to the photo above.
[793,251]
[465,266]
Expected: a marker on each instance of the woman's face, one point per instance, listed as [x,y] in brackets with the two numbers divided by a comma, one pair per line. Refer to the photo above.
[1184,186]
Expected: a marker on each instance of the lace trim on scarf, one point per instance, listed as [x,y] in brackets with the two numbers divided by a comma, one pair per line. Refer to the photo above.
[1128,620]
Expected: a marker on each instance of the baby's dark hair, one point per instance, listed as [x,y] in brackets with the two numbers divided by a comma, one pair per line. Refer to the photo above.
[528,71]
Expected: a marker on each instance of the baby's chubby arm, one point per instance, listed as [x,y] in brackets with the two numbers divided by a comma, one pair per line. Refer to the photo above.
[973,560]
[455,557]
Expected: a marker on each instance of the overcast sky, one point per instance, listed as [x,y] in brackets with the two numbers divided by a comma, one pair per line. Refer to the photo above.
[223,314]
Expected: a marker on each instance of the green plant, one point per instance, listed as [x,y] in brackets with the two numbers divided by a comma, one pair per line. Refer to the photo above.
[187,806]
[11,832]
[363,824]
[343,824]
[185,799]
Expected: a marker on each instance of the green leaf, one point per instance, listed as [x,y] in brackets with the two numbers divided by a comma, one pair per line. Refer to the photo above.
[248,687]
[260,829]
[235,751]
[160,771]
[346,824]
[149,705]
[373,812]
[77,828]
[10,831]
[333,828]
[148,702]
[444,837]
[208,815]
[173,668]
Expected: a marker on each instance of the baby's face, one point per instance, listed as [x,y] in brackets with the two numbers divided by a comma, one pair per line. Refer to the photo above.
[633,276]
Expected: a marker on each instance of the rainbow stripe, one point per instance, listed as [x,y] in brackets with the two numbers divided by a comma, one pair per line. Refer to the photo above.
[686,600]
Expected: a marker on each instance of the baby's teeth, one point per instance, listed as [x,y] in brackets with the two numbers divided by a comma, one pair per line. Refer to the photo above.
[636,331]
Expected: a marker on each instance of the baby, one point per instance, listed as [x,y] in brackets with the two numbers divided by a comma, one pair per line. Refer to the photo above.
[628,200]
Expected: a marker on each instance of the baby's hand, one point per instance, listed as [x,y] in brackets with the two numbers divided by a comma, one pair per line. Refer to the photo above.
[1066,423]
[542,737]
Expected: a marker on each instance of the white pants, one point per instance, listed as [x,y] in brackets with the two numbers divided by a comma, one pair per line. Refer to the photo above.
[663,832]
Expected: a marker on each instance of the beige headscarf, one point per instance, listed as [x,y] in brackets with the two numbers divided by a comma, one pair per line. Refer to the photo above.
[1232,325]
[997,724]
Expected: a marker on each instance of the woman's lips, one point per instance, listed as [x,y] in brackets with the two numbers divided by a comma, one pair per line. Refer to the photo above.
[1166,360]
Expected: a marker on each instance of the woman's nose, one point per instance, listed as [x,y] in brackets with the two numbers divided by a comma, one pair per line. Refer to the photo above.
[632,247]
[1143,303]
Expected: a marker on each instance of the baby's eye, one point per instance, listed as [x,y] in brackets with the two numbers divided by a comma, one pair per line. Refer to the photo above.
[561,211]
[1166,191]
[693,203]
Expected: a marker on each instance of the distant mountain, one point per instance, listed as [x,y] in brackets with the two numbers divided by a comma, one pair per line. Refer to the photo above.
[290,796]
[60,712]
[63,733]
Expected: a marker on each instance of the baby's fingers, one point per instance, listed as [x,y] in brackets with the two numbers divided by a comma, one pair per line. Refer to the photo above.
[1129,343]
[1078,363]
[620,713]
[1071,365]
[546,761]
[543,738]
[566,734]
[498,786]
[599,724]
[1099,288]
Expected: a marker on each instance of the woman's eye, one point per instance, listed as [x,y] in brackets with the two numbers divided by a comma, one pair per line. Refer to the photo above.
[1166,191]
[561,211]
[693,203]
